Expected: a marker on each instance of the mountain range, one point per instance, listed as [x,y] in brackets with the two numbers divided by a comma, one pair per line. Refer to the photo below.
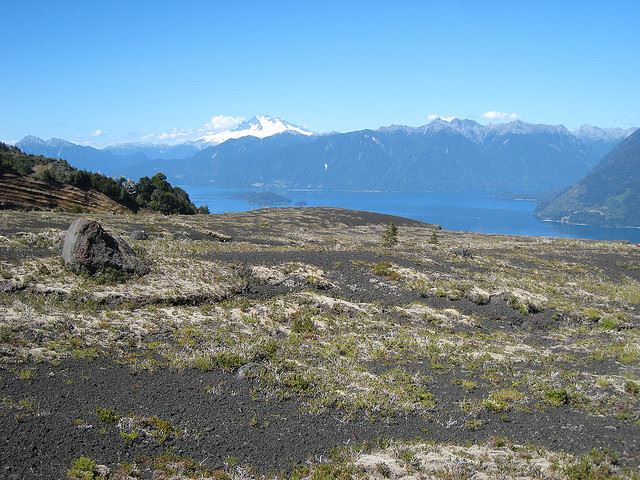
[609,195]
[266,152]
[121,157]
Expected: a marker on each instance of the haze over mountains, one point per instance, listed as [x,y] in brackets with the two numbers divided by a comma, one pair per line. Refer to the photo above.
[266,152]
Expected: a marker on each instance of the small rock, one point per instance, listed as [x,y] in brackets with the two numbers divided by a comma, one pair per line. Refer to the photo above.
[181,234]
[625,326]
[524,301]
[479,296]
[220,237]
[102,470]
[277,334]
[88,247]
[139,235]
[11,285]
[464,252]
[251,369]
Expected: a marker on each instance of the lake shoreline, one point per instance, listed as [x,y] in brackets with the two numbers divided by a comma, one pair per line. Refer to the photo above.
[459,211]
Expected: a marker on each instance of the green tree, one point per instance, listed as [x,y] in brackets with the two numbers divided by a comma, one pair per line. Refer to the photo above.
[390,236]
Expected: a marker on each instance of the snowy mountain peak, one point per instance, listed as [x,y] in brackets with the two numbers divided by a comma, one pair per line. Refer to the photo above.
[596,133]
[260,126]
[518,127]
[476,131]
[467,128]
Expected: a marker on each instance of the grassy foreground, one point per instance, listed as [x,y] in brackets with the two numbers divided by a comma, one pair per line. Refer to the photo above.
[322,349]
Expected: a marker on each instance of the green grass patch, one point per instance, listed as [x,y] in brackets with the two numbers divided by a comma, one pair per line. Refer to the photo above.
[82,468]
[107,415]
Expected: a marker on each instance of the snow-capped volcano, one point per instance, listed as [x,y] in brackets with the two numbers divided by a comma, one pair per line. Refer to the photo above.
[260,126]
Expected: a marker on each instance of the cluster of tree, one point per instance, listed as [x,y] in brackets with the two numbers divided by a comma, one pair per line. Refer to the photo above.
[12,160]
[154,193]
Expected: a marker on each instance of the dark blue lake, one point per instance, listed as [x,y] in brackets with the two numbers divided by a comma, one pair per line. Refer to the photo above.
[473,212]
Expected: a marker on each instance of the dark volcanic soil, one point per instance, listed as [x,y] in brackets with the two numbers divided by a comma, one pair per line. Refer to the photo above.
[216,411]
[351,272]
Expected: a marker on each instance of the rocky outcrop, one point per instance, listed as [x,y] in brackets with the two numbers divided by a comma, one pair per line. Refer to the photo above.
[89,248]
[28,193]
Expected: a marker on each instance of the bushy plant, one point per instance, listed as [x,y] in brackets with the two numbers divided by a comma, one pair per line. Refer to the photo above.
[557,397]
[82,468]
[107,415]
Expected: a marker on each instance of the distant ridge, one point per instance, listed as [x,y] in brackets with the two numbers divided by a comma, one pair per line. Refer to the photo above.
[609,195]
[455,155]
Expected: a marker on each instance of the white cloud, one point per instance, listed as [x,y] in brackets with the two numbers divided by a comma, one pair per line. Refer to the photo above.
[434,116]
[218,123]
[493,115]
[98,133]
[174,134]
[221,123]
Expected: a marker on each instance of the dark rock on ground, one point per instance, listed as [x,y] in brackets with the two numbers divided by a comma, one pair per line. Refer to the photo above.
[88,247]
[181,234]
[10,285]
[139,235]
[249,370]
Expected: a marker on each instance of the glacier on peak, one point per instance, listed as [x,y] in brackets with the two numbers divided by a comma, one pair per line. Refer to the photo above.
[260,126]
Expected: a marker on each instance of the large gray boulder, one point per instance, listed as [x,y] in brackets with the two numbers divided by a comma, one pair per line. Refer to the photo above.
[89,248]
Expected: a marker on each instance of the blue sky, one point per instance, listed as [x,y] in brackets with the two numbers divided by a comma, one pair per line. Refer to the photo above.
[103,72]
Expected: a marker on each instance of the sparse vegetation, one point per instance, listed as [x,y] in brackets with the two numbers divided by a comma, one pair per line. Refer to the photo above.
[82,468]
[505,338]
[502,400]
[596,465]
[385,269]
[26,373]
[557,397]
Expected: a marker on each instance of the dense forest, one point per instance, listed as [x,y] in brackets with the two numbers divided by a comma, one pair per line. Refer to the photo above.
[154,193]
